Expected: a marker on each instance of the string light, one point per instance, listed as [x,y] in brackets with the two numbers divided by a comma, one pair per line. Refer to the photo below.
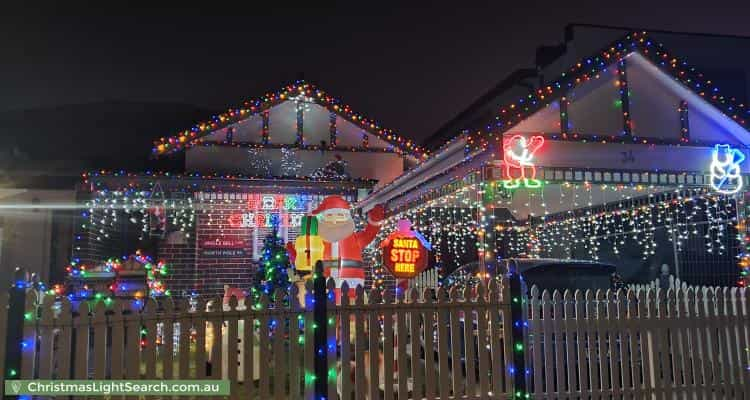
[291,165]
[609,57]
[272,272]
[311,94]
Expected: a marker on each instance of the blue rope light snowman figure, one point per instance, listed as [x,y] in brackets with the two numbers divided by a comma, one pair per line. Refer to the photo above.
[726,175]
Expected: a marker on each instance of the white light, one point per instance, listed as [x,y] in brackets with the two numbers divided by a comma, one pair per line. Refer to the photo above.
[726,171]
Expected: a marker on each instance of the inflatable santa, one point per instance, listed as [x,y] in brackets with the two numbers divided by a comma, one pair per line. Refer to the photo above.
[342,253]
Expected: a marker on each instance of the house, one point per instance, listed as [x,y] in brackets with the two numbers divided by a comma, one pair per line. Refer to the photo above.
[254,169]
[615,160]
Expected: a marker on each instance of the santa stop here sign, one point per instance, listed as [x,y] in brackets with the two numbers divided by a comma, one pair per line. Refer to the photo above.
[404,257]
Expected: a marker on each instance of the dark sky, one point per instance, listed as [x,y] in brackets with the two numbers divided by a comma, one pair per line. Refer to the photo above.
[412,68]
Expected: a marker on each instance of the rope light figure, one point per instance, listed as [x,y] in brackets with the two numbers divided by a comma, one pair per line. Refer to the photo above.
[518,156]
[726,175]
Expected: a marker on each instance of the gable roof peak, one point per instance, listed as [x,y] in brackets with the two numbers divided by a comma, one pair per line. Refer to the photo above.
[254,106]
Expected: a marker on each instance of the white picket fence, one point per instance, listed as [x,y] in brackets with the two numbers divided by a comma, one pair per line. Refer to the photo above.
[645,344]
[412,347]
[674,283]
[649,343]
[425,280]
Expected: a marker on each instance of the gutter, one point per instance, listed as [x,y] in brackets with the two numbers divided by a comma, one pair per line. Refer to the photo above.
[410,179]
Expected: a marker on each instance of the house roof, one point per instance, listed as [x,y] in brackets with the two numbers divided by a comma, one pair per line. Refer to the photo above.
[510,114]
[193,135]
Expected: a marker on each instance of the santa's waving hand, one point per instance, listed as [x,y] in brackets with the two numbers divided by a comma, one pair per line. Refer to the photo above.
[342,256]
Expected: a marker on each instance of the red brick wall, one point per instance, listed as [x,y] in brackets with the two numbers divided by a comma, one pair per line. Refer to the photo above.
[207,275]
[180,258]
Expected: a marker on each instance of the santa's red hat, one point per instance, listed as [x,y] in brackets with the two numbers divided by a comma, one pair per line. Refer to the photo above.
[332,203]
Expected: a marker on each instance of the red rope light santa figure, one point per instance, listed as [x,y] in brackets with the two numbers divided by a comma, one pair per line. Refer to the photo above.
[518,157]
[342,254]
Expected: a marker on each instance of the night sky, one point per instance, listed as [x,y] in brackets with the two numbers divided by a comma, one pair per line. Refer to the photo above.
[412,68]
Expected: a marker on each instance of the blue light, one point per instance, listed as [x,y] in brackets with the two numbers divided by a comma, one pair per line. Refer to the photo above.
[726,174]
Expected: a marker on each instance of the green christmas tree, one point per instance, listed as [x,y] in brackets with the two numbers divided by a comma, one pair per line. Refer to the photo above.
[272,270]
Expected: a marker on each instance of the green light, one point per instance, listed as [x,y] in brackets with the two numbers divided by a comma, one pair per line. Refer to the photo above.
[519,346]
[301,340]
[28,316]
[332,373]
[12,372]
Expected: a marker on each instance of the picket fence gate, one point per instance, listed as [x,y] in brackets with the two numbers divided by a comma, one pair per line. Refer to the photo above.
[445,344]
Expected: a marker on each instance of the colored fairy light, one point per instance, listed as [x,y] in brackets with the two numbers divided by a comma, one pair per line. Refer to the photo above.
[311,93]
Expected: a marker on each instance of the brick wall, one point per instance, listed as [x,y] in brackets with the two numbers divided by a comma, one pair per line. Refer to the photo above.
[179,254]
[90,245]
[213,272]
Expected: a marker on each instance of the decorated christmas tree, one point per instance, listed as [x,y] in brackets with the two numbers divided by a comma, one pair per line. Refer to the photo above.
[273,268]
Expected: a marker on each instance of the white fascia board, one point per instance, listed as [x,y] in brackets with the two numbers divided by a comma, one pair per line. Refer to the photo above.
[435,165]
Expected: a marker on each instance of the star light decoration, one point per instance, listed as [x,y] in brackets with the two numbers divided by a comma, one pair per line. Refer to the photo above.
[291,165]
[259,164]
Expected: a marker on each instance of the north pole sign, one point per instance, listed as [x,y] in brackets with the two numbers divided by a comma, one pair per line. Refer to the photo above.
[223,248]
[404,257]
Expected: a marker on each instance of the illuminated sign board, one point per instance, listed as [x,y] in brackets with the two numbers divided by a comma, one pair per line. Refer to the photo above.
[404,257]
[269,210]
[265,220]
[223,243]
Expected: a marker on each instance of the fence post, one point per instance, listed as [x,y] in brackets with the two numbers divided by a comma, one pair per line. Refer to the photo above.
[519,318]
[16,307]
[320,333]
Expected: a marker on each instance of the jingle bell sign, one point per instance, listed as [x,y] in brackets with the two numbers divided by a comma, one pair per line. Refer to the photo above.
[405,252]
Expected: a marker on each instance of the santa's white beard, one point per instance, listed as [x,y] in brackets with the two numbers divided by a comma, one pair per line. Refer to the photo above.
[335,232]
